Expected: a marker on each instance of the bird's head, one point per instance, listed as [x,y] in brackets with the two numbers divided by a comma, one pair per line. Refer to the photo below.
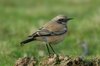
[61,19]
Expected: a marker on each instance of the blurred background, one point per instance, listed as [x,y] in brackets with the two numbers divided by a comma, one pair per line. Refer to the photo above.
[19,18]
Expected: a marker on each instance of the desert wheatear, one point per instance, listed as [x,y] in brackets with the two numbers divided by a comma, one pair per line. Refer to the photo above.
[52,32]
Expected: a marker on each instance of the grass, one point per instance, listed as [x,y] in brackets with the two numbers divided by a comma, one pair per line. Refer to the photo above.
[18,18]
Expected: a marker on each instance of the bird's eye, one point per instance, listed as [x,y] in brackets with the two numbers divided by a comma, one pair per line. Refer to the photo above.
[61,20]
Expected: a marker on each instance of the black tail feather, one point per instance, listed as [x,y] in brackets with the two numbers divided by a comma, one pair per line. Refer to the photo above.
[27,40]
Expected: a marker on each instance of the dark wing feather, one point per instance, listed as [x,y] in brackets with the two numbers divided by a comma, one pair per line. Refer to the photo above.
[45,32]
[41,32]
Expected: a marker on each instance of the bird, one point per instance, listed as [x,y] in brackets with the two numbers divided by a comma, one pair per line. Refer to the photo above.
[53,32]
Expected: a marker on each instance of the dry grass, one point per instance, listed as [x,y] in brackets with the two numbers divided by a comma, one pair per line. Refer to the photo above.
[55,60]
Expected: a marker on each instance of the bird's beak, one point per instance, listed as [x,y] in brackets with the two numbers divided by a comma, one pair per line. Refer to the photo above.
[69,19]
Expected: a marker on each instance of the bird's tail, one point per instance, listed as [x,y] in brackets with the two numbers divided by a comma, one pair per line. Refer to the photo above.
[27,40]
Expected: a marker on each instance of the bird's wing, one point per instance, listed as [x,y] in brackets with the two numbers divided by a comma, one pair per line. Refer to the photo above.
[41,32]
[45,32]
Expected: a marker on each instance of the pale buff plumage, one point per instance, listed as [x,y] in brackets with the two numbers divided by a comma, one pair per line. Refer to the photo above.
[52,32]
[55,27]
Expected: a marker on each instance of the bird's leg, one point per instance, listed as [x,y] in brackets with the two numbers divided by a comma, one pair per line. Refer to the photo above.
[52,49]
[47,45]
[57,56]
[48,49]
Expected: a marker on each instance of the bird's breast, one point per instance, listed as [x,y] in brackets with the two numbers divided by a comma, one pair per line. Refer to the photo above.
[56,39]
